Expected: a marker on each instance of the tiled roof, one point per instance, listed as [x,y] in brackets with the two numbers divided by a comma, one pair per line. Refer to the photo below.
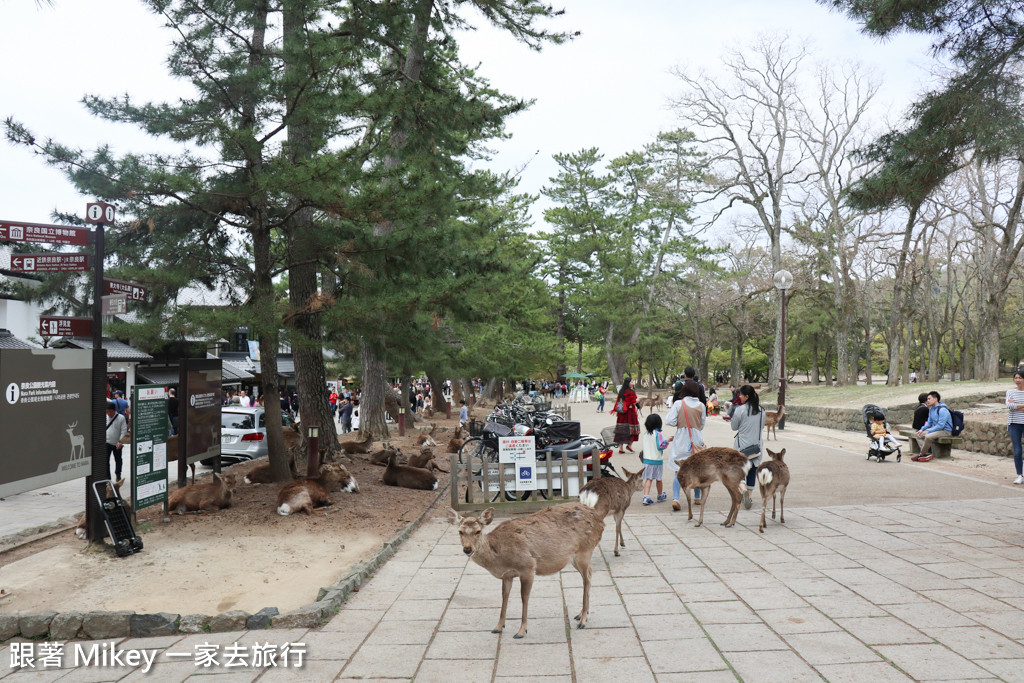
[116,351]
[9,341]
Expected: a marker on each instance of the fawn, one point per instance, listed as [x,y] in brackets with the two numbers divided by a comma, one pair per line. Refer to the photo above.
[652,403]
[261,473]
[611,495]
[352,446]
[408,477]
[537,544]
[702,469]
[303,495]
[455,443]
[208,497]
[771,420]
[772,478]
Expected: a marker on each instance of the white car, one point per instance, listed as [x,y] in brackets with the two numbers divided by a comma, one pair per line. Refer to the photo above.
[243,434]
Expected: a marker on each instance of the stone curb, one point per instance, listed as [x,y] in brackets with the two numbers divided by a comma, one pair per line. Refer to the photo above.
[124,624]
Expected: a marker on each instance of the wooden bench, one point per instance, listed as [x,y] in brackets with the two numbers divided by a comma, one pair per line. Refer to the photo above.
[941,447]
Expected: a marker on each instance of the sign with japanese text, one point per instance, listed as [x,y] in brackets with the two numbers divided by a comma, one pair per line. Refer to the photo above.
[521,453]
[44,417]
[57,326]
[12,231]
[115,304]
[50,263]
[133,291]
[150,432]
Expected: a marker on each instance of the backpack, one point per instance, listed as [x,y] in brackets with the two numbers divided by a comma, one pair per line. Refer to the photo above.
[957,417]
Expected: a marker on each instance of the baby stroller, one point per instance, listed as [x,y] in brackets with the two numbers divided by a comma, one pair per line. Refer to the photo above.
[869,413]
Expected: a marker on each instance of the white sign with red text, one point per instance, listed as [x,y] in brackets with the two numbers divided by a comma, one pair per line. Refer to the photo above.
[521,452]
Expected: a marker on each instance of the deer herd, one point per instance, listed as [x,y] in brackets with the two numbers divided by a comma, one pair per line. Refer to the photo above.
[544,542]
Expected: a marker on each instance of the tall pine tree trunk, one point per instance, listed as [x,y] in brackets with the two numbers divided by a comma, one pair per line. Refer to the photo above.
[899,306]
[372,402]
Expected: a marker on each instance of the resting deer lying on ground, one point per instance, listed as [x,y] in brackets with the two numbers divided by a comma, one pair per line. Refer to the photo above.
[771,420]
[261,474]
[537,544]
[353,446]
[302,495]
[612,496]
[652,403]
[408,477]
[455,443]
[428,438]
[425,460]
[702,469]
[772,478]
[208,497]
[80,530]
[382,456]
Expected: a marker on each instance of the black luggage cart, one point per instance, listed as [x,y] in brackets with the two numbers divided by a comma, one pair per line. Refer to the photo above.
[117,518]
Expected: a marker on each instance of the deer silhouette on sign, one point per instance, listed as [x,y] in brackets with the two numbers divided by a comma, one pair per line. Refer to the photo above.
[77,442]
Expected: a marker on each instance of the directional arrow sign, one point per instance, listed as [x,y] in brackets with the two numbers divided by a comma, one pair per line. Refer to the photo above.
[13,231]
[135,292]
[50,263]
[65,327]
[115,304]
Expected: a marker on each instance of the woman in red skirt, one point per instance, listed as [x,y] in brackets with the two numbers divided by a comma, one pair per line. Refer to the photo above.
[627,422]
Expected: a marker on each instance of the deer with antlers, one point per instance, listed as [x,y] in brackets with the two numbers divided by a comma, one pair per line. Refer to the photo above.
[77,442]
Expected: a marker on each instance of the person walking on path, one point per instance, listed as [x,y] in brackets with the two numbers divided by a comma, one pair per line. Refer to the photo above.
[1015,421]
[600,399]
[654,445]
[747,420]
[627,422]
[939,424]
[689,417]
[345,415]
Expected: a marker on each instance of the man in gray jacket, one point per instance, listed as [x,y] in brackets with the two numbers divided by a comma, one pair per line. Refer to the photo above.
[117,427]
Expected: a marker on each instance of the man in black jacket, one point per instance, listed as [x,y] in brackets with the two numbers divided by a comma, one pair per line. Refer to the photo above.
[921,412]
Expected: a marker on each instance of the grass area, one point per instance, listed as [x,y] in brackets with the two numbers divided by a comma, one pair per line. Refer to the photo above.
[879,394]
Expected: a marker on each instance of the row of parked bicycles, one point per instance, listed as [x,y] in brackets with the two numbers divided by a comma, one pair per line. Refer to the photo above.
[552,435]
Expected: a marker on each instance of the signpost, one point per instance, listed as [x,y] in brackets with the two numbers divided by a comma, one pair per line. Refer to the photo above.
[12,231]
[97,213]
[133,291]
[150,432]
[50,263]
[115,304]
[55,326]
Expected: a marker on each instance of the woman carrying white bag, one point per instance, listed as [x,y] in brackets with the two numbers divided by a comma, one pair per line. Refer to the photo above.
[688,415]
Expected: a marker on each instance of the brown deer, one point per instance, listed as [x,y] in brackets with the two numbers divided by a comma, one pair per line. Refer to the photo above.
[352,446]
[408,477]
[611,495]
[771,420]
[427,439]
[772,478]
[209,497]
[652,403]
[455,443]
[537,544]
[702,469]
[80,529]
[303,495]
[382,456]
[425,460]
[261,473]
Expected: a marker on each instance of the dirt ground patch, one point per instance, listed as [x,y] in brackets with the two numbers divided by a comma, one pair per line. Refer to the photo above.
[246,557]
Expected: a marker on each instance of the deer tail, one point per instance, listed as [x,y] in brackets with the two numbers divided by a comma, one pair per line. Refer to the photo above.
[746,467]
[589,498]
[764,477]
[284,509]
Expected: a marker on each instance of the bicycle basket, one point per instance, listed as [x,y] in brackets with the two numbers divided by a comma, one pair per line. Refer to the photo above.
[475,427]
[498,429]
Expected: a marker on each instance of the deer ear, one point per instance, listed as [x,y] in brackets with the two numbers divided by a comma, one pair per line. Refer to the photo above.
[781,453]
[454,517]
[487,517]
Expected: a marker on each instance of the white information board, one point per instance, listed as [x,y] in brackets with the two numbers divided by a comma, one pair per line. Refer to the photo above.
[521,452]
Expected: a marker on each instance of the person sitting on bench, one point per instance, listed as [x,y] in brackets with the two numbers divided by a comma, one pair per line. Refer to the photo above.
[939,424]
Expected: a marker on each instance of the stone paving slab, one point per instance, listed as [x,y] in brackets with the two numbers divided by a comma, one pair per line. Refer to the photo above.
[832,595]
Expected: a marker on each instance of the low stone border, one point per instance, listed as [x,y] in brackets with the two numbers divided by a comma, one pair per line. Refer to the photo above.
[53,626]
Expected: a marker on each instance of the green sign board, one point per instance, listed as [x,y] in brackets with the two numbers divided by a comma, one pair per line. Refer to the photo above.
[150,430]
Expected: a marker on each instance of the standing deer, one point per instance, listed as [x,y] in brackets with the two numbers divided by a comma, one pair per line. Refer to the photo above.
[771,420]
[540,543]
[77,442]
[611,496]
[702,469]
[772,478]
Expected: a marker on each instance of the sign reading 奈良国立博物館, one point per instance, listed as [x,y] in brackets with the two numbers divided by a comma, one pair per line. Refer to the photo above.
[150,432]
[44,417]
[18,231]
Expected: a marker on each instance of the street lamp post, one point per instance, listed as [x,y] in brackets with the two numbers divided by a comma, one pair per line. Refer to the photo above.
[783,280]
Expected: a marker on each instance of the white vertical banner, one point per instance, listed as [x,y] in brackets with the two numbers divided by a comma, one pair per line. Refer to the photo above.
[521,452]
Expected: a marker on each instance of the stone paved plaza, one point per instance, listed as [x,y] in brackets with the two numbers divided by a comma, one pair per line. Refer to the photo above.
[923,591]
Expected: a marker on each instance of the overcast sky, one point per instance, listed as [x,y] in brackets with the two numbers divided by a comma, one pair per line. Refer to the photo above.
[608,88]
